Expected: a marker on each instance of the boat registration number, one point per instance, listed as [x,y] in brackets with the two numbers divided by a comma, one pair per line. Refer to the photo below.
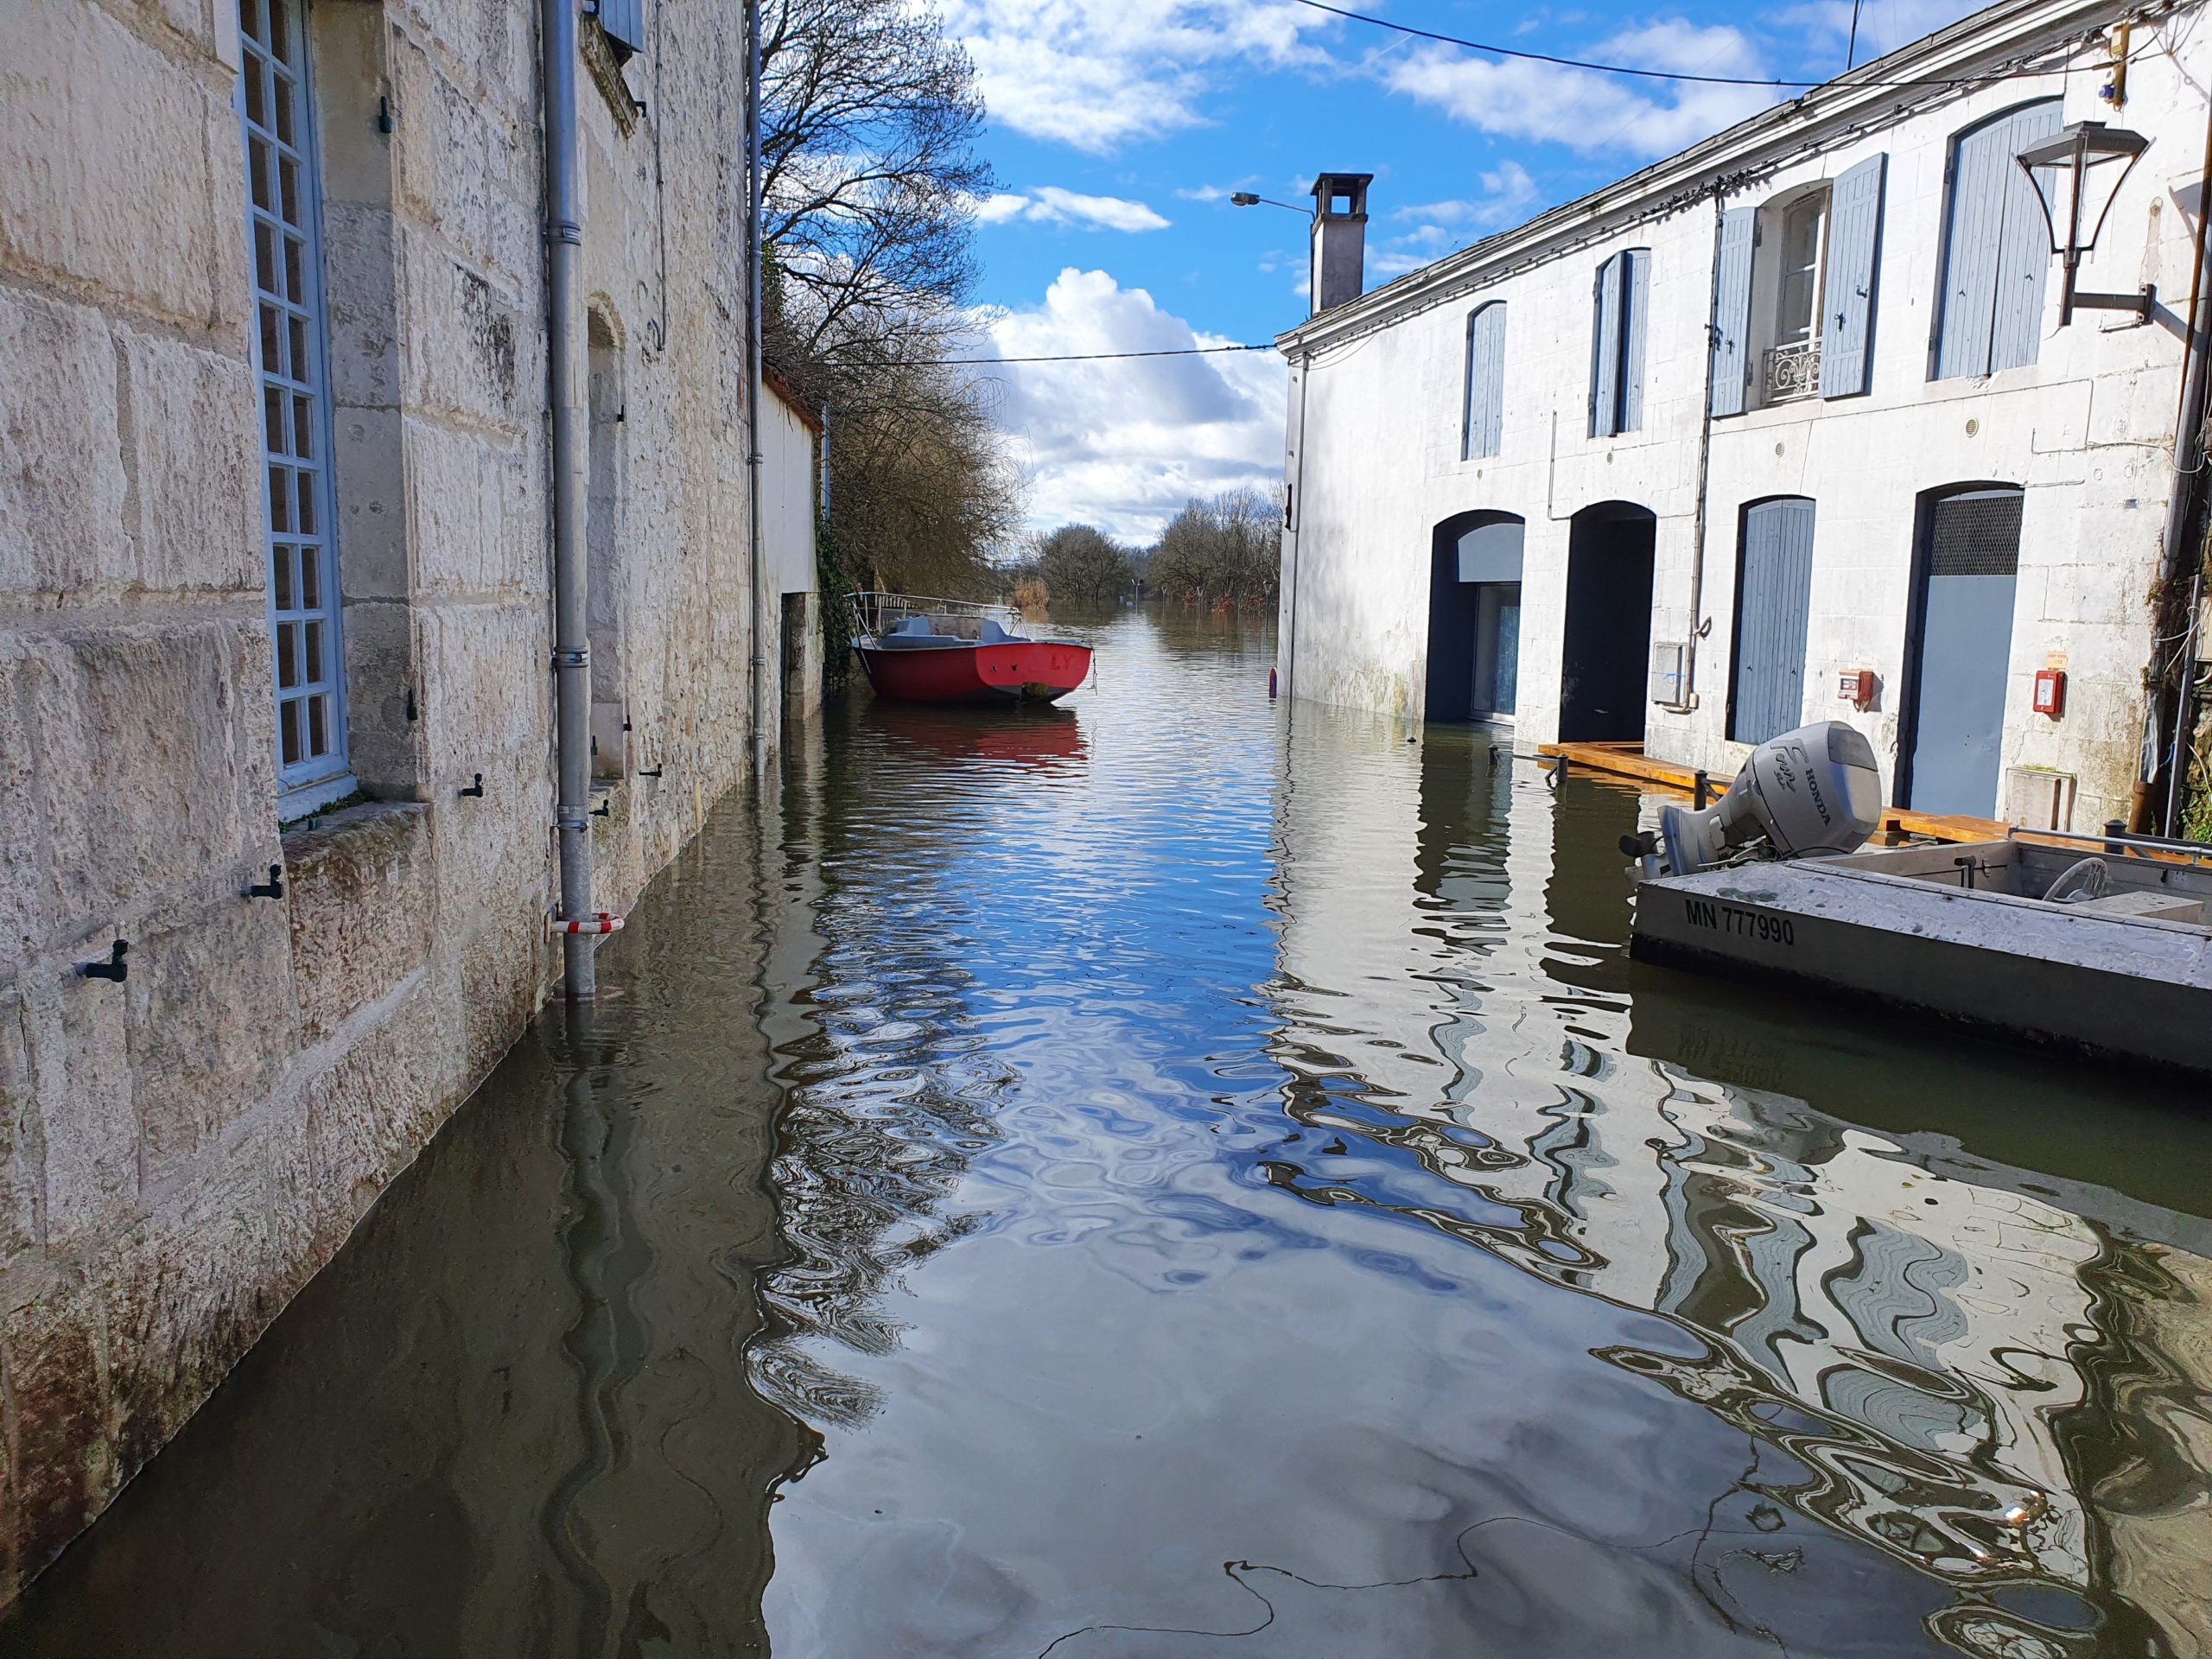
[1744,924]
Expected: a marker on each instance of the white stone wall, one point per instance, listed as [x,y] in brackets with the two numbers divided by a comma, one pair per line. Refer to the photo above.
[2087,430]
[788,461]
[178,1152]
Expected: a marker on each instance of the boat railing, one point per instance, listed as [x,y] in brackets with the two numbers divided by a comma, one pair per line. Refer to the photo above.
[875,613]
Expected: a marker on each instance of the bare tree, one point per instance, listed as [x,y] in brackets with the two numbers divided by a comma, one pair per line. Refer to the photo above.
[1227,550]
[1080,565]
[869,118]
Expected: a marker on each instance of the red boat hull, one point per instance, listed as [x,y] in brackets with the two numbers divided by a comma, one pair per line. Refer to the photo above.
[1031,671]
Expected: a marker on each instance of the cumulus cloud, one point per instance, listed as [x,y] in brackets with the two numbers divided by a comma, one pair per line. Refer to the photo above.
[1098,73]
[1049,204]
[1585,110]
[1122,445]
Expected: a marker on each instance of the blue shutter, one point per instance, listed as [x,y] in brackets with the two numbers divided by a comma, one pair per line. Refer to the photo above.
[1605,352]
[2023,251]
[1995,254]
[1486,419]
[1637,278]
[1854,256]
[624,21]
[1732,312]
[1773,600]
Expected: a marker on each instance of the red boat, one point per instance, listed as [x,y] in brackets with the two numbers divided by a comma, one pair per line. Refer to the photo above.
[950,651]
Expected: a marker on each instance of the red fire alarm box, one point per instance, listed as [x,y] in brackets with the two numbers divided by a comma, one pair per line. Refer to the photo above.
[2050,691]
[1856,686]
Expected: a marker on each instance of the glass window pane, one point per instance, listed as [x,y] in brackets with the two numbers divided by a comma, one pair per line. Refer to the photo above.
[300,366]
[280,499]
[303,428]
[315,655]
[288,721]
[285,96]
[272,422]
[273,361]
[310,578]
[280,33]
[288,174]
[283,589]
[305,482]
[318,727]
[264,257]
[296,288]
[257,100]
[288,655]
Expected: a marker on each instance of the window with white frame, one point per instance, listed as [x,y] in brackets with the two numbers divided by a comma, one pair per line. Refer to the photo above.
[283,214]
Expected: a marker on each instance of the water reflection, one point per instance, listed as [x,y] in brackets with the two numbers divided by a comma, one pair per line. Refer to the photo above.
[1183,1176]
[1906,1328]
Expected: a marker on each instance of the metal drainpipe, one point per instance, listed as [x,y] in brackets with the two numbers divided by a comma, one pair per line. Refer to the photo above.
[571,627]
[1688,699]
[1296,504]
[755,389]
[2181,515]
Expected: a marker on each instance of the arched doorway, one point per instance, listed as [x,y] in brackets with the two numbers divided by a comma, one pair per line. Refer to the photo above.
[1474,617]
[1958,649]
[1607,644]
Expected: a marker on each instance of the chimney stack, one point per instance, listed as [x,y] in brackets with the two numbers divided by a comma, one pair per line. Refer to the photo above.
[1339,266]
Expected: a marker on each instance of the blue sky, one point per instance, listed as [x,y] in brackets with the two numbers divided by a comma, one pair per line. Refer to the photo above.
[1118,128]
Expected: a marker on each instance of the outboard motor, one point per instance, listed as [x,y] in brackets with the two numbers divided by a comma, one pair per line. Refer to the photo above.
[1815,789]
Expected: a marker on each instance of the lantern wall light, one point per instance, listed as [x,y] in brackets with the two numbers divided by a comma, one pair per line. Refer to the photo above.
[2077,173]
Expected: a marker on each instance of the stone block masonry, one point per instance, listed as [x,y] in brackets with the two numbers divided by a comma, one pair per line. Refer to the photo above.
[179,1152]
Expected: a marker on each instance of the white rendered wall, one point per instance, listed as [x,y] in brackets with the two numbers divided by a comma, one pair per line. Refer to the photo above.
[2087,431]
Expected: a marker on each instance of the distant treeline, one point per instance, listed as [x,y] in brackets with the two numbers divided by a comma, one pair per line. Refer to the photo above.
[1224,551]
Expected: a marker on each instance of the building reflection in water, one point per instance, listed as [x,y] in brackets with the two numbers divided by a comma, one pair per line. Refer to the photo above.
[1993,1374]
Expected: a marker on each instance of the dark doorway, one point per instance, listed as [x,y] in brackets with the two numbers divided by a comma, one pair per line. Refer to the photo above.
[1607,646]
[1958,649]
[1474,617]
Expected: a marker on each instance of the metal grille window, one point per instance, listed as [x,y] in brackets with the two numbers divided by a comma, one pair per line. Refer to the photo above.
[284,211]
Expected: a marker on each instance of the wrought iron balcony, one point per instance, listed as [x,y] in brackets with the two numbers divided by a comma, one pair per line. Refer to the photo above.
[1793,370]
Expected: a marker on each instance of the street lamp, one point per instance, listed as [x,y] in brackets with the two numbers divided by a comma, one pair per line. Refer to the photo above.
[1246,198]
[2088,162]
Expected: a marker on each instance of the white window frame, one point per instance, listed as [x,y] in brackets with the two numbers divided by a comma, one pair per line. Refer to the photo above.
[283,229]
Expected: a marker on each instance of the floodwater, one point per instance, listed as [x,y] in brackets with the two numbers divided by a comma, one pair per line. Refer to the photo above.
[1173,1177]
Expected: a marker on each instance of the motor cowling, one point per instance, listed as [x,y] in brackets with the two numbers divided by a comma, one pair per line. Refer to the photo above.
[1813,790]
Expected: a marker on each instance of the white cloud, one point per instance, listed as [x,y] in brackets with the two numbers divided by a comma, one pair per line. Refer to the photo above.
[1123,444]
[1099,74]
[1881,28]
[1437,228]
[1586,111]
[1049,204]
[997,209]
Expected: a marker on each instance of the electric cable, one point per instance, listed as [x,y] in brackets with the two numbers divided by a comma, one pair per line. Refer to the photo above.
[1770,82]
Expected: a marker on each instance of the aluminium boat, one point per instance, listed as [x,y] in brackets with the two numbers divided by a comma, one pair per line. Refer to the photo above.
[918,649]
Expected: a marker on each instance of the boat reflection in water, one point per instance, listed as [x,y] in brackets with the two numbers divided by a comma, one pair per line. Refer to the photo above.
[1940,1353]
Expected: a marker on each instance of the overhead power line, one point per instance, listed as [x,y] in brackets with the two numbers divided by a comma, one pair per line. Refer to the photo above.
[1769,82]
[1091,357]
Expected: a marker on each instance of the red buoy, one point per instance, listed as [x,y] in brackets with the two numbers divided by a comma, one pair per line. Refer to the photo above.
[1271,685]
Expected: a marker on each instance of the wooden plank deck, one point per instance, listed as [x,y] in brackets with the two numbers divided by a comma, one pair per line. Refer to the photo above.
[1628,761]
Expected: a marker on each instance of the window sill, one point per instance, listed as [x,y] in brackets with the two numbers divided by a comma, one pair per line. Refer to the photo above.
[311,798]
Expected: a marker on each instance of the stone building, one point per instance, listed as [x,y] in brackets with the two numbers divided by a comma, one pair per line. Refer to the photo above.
[1791,426]
[275,577]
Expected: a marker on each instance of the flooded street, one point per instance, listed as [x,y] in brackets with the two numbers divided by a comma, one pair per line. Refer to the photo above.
[1173,1176]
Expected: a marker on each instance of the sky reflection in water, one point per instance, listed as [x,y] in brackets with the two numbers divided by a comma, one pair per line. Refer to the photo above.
[1246,1142]
[1176,1177]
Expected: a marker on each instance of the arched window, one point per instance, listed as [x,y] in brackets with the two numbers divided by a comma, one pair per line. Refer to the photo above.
[1483,421]
[1623,304]
[1989,307]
